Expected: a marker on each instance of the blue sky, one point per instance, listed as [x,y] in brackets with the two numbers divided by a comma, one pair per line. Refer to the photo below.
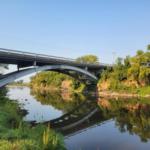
[71,28]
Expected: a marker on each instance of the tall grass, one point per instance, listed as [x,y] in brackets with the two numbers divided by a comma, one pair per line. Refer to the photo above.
[15,134]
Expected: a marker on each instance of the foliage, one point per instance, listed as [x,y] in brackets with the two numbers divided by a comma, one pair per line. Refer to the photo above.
[55,79]
[129,72]
[143,90]
[148,47]
[88,59]
[48,78]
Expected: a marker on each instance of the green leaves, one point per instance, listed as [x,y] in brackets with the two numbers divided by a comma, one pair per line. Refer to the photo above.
[131,70]
[88,59]
[148,47]
[48,78]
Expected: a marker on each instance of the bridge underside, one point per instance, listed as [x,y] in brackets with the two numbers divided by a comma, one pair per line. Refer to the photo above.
[79,119]
[77,73]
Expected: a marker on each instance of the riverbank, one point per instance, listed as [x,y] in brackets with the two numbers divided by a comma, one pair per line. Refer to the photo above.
[100,93]
[105,90]
[50,88]
[141,92]
[113,94]
[18,134]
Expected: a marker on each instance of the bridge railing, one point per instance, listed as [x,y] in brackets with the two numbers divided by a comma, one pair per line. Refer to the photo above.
[33,54]
[21,53]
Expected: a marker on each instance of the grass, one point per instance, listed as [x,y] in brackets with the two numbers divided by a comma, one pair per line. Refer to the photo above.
[15,134]
[144,90]
[141,91]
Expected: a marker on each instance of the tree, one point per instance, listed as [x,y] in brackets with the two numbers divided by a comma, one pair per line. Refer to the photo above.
[139,52]
[127,63]
[88,59]
[119,71]
[148,47]
[133,72]
[144,75]
[119,63]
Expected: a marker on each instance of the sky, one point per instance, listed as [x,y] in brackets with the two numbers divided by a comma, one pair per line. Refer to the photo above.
[71,28]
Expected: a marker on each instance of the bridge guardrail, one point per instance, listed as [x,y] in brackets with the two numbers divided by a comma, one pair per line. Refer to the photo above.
[33,54]
[10,51]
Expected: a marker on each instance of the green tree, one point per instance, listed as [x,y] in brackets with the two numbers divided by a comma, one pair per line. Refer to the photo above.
[137,71]
[139,52]
[119,71]
[144,75]
[127,63]
[148,47]
[132,70]
[88,59]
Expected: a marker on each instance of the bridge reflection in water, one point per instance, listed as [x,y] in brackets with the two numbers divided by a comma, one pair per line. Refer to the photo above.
[76,119]
[130,115]
[80,113]
[88,123]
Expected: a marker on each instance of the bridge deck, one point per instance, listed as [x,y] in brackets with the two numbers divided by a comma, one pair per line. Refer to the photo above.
[26,59]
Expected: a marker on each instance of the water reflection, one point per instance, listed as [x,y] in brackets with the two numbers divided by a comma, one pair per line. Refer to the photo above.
[64,101]
[36,111]
[118,124]
[130,115]
[90,123]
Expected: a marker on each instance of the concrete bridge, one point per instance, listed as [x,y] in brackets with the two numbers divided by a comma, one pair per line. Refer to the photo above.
[28,63]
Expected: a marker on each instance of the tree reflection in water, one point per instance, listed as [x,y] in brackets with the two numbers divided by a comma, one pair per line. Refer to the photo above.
[130,115]
[61,100]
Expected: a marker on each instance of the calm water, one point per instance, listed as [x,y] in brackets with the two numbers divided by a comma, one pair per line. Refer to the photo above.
[87,123]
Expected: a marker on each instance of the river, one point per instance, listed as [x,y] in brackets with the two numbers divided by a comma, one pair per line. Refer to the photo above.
[88,123]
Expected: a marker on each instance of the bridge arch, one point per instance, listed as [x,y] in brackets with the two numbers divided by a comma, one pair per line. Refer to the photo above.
[9,78]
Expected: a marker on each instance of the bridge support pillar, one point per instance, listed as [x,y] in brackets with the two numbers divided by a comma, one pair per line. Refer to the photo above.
[86,68]
[34,63]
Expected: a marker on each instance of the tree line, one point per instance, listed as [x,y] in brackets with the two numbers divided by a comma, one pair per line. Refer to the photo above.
[129,72]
